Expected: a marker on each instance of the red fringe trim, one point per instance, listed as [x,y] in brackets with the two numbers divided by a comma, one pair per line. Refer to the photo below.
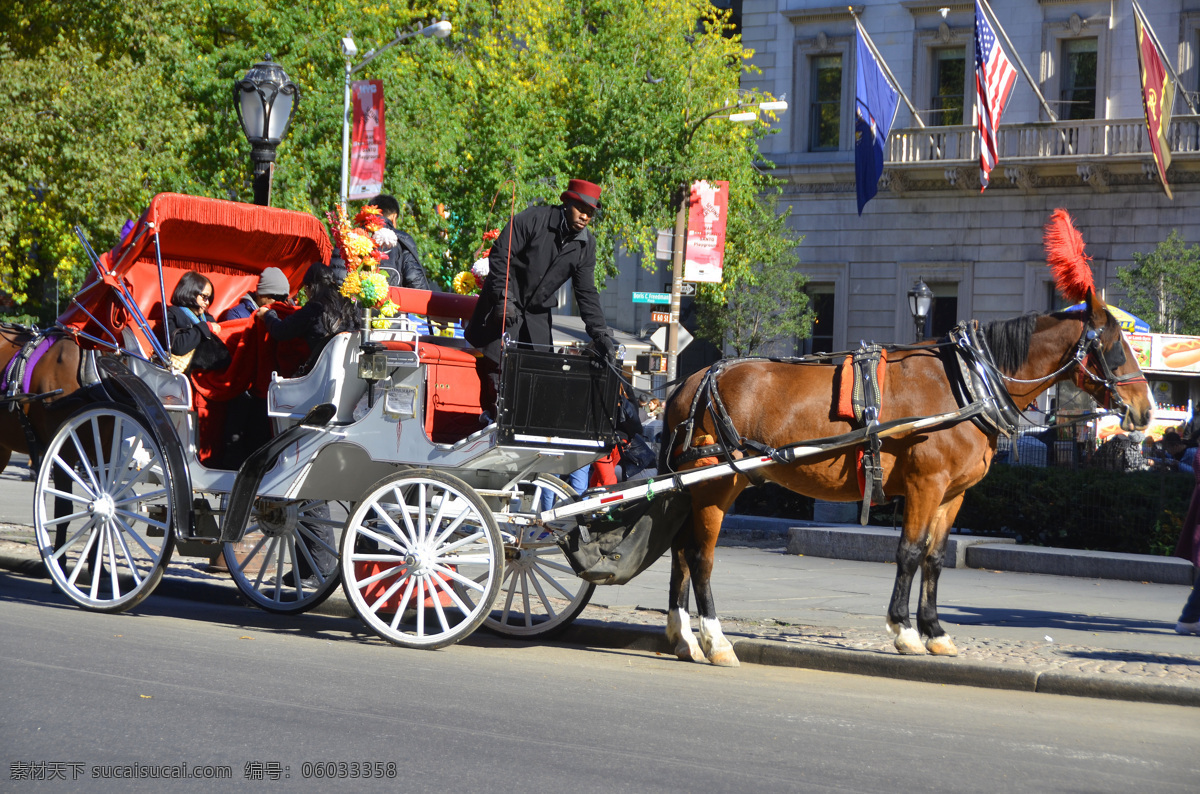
[1065,256]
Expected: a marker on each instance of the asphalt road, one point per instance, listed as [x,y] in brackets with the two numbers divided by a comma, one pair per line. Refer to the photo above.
[187,683]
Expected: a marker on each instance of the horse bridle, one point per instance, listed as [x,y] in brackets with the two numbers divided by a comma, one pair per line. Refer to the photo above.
[1089,347]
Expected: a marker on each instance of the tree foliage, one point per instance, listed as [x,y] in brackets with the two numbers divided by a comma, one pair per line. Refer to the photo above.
[112,103]
[1163,287]
[761,301]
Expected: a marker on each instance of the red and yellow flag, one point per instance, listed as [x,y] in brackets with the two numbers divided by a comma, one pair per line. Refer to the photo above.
[1158,95]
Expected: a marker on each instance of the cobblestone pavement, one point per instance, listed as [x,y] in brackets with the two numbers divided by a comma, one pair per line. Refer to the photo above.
[16,544]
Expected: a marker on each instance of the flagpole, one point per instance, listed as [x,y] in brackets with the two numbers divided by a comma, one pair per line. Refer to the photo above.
[883,65]
[1029,78]
[1137,9]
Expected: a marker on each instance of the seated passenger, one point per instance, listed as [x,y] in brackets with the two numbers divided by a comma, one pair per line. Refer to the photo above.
[325,314]
[194,341]
[272,286]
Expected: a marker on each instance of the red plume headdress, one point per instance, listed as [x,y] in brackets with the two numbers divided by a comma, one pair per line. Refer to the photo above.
[1065,256]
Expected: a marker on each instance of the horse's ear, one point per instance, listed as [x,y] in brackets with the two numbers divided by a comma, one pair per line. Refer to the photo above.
[1098,309]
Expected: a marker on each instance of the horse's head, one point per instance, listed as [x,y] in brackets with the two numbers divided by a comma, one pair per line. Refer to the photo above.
[1108,369]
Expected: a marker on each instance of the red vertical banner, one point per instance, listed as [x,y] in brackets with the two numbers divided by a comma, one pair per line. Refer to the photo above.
[368,140]
[1158,95]
[707,209]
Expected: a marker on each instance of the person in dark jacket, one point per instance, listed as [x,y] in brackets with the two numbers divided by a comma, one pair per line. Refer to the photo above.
[326,313]
[537,252]
[402,262]
[272,286]
[192,327]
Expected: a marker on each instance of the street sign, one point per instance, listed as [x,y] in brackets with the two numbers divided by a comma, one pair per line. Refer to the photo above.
[688,290]
[651,297]
[660,317]
[659,338]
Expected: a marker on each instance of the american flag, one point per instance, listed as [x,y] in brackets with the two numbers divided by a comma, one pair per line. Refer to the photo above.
[994,80]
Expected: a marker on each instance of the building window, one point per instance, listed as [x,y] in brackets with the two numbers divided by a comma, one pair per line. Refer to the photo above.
[944,315]
[1077,90]
[820,302]
[825,107]
[948,69]
[1054,301]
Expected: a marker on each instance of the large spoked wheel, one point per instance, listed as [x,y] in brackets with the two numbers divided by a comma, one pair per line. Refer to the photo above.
[422,559]
[541,594]
[109,540]
[287,560]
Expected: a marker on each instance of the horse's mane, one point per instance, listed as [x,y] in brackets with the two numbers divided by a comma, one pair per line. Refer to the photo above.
[1009,339]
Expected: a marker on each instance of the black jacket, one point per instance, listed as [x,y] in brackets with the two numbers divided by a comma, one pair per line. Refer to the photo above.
[403,260]
[545,254]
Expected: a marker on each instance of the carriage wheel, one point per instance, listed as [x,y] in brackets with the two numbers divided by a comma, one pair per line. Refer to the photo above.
[540,594]
[117,521]
[421,559]
[287,560]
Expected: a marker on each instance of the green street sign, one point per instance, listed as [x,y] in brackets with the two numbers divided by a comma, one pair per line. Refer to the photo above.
[651,297]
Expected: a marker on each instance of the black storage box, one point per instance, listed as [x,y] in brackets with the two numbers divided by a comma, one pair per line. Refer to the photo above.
[556,400]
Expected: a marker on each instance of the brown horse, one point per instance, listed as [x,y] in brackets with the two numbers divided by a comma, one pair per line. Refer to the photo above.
[778,403]
[56,373]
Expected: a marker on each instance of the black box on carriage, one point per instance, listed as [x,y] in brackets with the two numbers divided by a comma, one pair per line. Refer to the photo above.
[556,400]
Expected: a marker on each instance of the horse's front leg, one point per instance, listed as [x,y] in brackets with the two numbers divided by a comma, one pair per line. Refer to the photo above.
[707,526]
[939,642]
[679,621]
[920,511]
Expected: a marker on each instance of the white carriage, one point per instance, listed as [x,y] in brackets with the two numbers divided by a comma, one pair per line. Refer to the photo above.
[379,461]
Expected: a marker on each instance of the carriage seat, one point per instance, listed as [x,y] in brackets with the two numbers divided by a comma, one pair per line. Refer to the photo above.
[174,389]
[332,379]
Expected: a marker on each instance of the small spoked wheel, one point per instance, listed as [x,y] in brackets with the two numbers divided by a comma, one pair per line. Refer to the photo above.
[421,559]
[541,594]
[286,562]
[103,509]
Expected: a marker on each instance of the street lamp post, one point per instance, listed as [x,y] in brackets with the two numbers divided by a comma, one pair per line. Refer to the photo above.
[920,301]
[440,30]
[265,99]
[681,216]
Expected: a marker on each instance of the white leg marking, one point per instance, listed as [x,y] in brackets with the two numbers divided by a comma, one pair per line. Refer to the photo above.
[908,641]
[679,631]
[716,647]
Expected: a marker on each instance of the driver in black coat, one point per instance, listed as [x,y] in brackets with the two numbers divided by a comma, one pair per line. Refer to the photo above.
[535,254]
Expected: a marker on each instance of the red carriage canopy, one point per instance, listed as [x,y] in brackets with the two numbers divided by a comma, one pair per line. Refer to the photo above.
[229,242]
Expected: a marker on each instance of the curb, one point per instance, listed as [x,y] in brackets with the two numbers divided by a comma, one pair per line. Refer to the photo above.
[625,636]
[923,669]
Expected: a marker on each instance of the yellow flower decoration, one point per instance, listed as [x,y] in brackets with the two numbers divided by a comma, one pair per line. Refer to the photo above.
[464,283]
[389,309]
[352,285]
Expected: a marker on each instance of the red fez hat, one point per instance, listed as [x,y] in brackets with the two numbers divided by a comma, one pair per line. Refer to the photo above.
[581,190]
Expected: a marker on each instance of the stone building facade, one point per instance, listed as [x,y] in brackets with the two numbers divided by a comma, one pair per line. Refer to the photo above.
[980,252]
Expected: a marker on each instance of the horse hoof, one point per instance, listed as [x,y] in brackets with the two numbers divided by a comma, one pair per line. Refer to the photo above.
[725,658]
[689,652]
[908,642]
[942,646]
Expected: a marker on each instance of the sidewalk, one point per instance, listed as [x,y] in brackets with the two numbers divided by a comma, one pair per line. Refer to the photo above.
[1073,635]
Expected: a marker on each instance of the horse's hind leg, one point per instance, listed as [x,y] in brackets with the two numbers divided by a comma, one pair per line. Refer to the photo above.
[939,642]
[679,622]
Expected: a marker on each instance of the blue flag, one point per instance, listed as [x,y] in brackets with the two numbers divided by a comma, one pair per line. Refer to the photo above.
[874,108]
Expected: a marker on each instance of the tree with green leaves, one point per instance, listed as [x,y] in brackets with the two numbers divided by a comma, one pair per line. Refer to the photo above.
[114,103]
[761,301]
[1163,286]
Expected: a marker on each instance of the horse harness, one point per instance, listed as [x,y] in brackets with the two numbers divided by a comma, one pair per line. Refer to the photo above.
[976,381]
[16,381]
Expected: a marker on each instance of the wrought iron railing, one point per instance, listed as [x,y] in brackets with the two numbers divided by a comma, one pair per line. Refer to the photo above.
[1038,141]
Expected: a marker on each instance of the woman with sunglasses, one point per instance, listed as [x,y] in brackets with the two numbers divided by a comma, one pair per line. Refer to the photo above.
[192,327]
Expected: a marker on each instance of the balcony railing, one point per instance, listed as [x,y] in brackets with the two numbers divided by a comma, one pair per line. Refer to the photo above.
[1066,140]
